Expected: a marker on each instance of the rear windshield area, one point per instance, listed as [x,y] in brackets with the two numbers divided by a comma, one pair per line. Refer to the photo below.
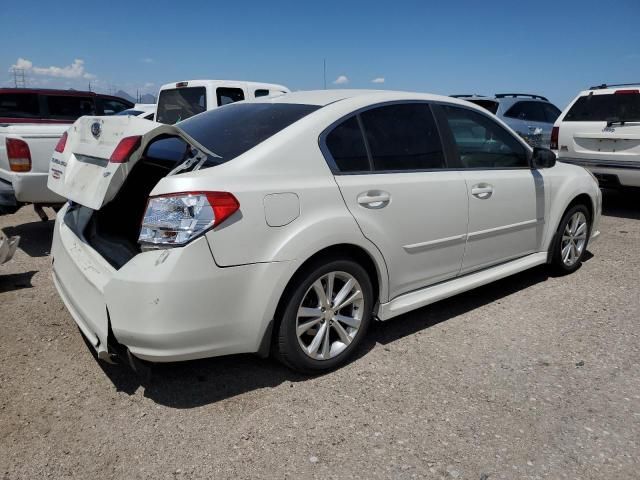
[605,108]
[231,130]
[177,104]
[486,104]
[19,105]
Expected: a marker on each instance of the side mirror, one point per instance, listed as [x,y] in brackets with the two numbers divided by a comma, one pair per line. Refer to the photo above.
[543,158]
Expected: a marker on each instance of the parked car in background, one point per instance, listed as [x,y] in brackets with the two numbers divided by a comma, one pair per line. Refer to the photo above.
[600,130]
[180,100]
[31,123]
[530,116]
[287,223]
[142,110]
[8,246]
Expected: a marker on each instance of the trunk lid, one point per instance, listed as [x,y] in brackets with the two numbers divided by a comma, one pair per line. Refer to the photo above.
[83,173]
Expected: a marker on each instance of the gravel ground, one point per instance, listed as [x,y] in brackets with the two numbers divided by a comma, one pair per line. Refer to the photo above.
[531,377]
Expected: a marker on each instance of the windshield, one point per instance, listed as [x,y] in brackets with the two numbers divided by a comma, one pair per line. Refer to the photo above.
[231,130]
[175,105]
[604,108]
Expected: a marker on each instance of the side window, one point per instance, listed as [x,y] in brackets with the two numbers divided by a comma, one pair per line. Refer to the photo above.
[261,92]
[346,145]
[403,137]
[19,105]
[111,107]
[69,107]
[531,111]
[551,113]
[229,95]
[481,142]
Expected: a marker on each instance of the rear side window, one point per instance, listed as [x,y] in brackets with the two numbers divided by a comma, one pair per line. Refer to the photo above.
[19,105]
[232,130]
[481,142]
[531,111]
[229,95]
[112,107]
[403,137]
[177,104]
[346,145]
[69,107]
[551,113]
[605,107]
[486,104]
[261,92]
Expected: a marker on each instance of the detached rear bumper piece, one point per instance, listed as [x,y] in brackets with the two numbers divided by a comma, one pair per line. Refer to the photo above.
[8,246]
[610,173]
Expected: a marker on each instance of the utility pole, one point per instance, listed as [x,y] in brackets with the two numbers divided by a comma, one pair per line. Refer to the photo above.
[324,63]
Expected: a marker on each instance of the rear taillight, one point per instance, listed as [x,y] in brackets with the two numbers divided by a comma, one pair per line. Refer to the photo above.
[555,133]
[176,219]
[125,148]
[18,154]
[61,143]
[627,92]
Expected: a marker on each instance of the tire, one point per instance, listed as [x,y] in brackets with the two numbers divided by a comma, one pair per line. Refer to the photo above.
[567,261]
[346,326]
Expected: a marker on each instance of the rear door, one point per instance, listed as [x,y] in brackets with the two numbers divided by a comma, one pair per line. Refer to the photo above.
[506,197]
[395,182]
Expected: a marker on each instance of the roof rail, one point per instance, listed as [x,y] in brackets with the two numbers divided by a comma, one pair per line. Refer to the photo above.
[466,95]
[605,85]
[529,95]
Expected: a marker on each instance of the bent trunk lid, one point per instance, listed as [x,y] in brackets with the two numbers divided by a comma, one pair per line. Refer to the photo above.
[83,173]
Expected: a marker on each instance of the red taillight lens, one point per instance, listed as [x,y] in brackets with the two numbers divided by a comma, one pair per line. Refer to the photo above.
[61,143]
[627,92]
[555,133]
[18,154]
[224,205]
[125,148]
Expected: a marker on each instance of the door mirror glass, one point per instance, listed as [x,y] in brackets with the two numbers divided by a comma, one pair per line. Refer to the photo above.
[543,158]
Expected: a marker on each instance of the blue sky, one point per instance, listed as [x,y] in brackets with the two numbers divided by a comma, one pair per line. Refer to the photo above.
[552,48]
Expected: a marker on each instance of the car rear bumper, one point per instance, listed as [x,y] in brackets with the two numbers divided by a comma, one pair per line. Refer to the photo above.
[164,305]
[610,173]
[30,187]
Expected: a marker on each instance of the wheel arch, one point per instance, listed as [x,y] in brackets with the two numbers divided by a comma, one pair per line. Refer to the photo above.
[579,199]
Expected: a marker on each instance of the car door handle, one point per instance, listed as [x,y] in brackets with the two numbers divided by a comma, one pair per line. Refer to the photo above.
[374,199]
[482,191]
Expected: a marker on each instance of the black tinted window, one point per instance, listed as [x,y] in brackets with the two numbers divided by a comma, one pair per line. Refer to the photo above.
[232,130]
[403,137]
[69,108]
[531,111]
[261,92]
[346,145]
[175,105]
[551,113]
[19,105]
[490,105]
[481,142]
[229,95]
[602,108]
[111,107]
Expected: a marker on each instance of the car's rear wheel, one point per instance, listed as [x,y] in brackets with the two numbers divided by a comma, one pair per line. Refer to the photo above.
[571,239]
[327,314]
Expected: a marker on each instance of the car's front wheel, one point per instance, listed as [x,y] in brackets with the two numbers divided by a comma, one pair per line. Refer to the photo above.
[572,239]
[327,314]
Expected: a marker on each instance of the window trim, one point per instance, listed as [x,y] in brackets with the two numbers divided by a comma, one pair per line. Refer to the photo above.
[333,166]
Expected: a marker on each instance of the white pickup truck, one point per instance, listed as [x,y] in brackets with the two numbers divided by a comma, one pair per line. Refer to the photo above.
[180,100]
[31,124]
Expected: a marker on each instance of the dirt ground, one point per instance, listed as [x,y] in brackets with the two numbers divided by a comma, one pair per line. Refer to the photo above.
[534,376]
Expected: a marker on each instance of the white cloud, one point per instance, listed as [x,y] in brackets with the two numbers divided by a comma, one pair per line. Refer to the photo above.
[74,71]
[378,80]
[147,60]
[149,85]
[341,80]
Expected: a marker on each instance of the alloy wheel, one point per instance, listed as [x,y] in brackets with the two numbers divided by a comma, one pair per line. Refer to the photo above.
[574,239]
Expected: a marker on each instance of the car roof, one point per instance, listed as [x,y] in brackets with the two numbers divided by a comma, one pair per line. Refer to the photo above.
[605,89]
[61,92]
[326,97]
[500,97]
[203,83]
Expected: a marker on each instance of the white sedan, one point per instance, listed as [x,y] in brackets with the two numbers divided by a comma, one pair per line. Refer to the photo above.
[285,225]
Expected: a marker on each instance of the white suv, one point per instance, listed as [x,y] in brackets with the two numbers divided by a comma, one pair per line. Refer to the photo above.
[600,130]
[285,224]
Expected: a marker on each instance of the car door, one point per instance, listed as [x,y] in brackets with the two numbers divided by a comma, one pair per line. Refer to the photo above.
[391,169]
[506,197]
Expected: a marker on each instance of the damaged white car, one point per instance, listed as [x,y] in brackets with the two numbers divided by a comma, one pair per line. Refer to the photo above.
[285,224]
